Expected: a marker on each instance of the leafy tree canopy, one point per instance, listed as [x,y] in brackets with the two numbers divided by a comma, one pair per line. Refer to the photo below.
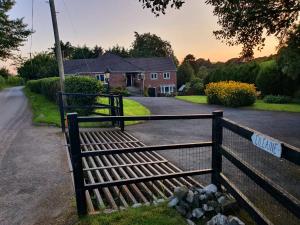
[245,22]
[13,32]
[78,52]
[185,73]
[150,45]
[118,50]
[40,66]
[4,72]
[289,55]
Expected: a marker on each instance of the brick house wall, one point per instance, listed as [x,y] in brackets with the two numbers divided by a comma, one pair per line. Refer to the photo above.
[117,79]
[160,81]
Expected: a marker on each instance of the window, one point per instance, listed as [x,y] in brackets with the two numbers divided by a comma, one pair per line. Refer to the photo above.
[167,75]
[100,77]
[167,89]
[153,76]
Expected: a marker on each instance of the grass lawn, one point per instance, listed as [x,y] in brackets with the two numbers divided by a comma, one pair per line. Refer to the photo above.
[258,105]
[46,112]
[146,215]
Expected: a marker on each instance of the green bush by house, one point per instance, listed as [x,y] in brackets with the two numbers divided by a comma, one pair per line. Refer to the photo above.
[231,93]
[82,84]
[277,99]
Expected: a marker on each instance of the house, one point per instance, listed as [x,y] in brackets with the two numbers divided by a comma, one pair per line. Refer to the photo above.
[156,74]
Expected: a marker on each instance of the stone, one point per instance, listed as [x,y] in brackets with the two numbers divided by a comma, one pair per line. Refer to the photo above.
[136,205]
[232,220]
[190,196]
[202,197]
[181,210]
[197,213]
[218,219]
[173,202]
[210,189]
[189,222]
[207,208]
[180,192]
[218,194]
[222,200]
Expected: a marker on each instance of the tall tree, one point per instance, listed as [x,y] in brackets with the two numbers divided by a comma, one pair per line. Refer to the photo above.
[97,51]
[118,50]
[185,73]
[289,55]
[245,22]
[13,32]
[150,45]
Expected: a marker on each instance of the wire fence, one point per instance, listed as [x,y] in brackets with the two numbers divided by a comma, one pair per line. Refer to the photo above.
[280,171]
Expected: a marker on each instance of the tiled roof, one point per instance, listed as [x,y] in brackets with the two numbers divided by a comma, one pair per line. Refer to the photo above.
[118,64]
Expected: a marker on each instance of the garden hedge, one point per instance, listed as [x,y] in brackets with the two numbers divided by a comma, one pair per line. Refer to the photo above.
[2,82]
[231,93]
[73,84]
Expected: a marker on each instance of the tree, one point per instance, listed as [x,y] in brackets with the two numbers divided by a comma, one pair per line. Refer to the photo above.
[97,51]
[245,22]
[118,50]
[4,73]
[150,45]
[185,73]
[289,55]
[40,66]
[13,32]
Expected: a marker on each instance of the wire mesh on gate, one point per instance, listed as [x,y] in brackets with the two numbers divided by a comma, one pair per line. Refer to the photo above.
[280,171]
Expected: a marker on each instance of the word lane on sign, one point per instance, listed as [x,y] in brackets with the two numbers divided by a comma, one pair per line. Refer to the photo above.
[267,144]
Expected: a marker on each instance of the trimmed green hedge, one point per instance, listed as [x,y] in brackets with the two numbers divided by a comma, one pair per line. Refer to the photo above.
[230,93]
[15,81]
[277,99]
[2,82]
[73,84]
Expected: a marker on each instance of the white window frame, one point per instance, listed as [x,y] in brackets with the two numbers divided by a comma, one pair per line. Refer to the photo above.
[163,89]
[167,75]
[153,76]
[98,77]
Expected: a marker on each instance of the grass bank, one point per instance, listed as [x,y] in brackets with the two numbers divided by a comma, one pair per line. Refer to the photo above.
[47,112]
[258,105]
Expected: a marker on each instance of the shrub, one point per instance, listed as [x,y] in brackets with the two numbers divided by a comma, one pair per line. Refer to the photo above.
[15,81]
[230,93]
[119,91]
[277,99]
[46,86]
[82,84]
[271,81]
[195,87]
[2,82]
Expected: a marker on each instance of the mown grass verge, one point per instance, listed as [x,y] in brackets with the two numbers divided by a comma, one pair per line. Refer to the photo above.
[258,105]
[47,112]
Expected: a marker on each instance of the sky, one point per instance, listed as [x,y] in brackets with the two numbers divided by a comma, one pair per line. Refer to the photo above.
[110,22]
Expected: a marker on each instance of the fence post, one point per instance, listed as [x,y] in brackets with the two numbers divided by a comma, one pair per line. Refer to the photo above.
[61,111]
[217,136]
[112,108]
[122,124]
[76,159]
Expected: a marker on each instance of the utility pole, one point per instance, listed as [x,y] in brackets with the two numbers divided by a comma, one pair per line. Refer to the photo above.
[57,46]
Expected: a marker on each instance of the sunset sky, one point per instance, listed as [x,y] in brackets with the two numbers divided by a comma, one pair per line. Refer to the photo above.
[107,23]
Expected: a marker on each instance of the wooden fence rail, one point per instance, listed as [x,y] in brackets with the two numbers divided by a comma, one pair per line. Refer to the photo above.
[219,151]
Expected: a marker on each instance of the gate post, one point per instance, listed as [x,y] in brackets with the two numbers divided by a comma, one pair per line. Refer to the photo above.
[217,136]
[112,108]
[61,111]
[76,160]
[122,124]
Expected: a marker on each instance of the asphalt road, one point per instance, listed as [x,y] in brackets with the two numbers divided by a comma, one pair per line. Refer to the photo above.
[281,125]
[35,185]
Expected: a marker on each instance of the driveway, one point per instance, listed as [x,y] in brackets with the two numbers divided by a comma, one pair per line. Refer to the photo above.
[35,185]
[281,125]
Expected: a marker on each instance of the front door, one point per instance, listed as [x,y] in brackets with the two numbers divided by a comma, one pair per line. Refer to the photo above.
[128,80]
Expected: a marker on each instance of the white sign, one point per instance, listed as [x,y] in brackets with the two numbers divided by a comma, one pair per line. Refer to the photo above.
[266,143]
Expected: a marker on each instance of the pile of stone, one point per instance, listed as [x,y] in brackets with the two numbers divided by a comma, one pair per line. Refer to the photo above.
[204,203]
